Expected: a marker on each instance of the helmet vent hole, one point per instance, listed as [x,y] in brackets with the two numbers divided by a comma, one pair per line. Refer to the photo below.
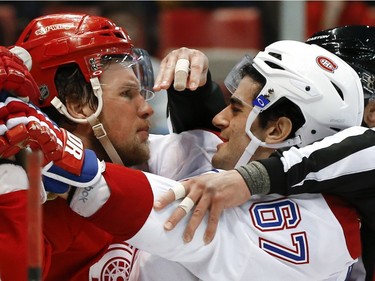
[278,56]
[338,90]
[27,36]
[335,129]
[119,35]
[274,65]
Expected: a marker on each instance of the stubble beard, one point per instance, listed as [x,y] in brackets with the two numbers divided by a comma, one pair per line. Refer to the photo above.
[136,153]
[218,161]
[224,159]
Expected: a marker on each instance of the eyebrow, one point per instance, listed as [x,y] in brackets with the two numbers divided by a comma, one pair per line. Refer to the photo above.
[236,101]
[130,84]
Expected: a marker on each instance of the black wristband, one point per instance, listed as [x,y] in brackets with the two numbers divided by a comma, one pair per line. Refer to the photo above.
[71,193]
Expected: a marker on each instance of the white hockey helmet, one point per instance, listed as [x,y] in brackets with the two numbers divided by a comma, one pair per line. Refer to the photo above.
[325,88]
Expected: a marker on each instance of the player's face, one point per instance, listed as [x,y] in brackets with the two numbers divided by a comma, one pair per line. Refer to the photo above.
[125,114]
[232,120]
[369,114]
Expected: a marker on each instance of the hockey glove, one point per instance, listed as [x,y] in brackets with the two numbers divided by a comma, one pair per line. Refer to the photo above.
[65,161]
[15,76]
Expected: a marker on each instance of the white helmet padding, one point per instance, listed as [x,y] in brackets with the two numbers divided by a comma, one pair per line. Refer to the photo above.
[326,89]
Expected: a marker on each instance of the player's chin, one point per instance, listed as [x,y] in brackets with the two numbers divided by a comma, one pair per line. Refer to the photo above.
[218,160]
[144,150]
[139,154]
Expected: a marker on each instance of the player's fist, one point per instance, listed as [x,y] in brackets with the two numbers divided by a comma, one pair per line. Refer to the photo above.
[17,135]
[65,160]
[24,125]
[15,76]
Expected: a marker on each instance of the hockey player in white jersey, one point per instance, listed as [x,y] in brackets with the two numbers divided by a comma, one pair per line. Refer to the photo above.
[306,170]
[269,238]
[274,227]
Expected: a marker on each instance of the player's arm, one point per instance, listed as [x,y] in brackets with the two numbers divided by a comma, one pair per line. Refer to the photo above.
[294,171]
[13,213]
[328,166]
[15,79]
[190,110]
[193,105]
[104,193]
[131,197]
[118,201]
[121,194]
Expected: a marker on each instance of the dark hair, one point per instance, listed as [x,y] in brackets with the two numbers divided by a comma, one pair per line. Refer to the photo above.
[71,83]
[283,108]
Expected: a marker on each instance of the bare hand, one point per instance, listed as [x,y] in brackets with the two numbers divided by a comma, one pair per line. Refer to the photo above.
[198,68]
[210,192]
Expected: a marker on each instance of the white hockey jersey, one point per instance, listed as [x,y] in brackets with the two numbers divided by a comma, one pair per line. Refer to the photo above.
[304,237]
[175,156]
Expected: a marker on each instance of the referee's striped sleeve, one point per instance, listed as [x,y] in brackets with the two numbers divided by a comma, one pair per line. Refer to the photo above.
[332,165]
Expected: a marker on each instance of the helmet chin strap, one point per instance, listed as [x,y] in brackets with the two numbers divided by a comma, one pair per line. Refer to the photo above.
[93,120]
[255,142]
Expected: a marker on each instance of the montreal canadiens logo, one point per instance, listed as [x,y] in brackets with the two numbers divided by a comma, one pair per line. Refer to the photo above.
[326,63]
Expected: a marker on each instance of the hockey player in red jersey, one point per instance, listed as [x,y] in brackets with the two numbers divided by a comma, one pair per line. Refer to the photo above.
[14,78]
[88,70]
[273,231]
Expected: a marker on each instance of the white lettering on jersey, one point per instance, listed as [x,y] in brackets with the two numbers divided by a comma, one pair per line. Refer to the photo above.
[74,146]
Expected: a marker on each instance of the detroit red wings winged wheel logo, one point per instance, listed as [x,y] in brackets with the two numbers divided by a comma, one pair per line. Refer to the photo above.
[115,265]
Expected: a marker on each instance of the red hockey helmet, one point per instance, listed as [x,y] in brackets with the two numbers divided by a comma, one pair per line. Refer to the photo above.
[60,39]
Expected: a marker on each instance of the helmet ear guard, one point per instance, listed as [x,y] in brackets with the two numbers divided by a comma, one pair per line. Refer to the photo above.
[327,91]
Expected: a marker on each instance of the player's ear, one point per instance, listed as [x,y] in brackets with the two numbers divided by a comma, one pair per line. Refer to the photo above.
[369,115]
[78,110]
[278,130]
